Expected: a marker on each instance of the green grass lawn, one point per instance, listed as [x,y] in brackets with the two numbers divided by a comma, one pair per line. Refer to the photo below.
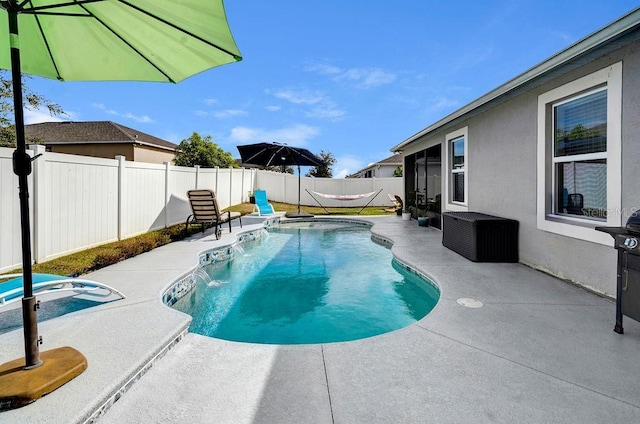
[98,257]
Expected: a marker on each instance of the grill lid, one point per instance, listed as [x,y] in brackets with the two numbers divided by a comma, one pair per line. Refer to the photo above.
[633,223]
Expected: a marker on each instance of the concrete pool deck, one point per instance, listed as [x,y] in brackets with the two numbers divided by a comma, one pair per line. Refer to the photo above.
[539,350]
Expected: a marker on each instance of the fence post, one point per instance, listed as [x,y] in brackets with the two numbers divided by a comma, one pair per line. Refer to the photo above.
[242,186]
[217,178]
[230,185]
[39,202]
[167,170]
[121,177]
[197,167]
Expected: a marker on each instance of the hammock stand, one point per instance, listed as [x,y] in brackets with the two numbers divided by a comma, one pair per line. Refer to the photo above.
[343,197]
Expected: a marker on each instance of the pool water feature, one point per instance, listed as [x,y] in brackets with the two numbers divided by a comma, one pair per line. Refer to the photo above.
[307,283]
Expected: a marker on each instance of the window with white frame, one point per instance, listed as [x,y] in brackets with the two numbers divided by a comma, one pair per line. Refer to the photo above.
[579,159]
[457,182]
[580,155]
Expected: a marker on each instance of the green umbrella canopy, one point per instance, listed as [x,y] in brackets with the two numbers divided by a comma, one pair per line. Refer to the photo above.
[108,40]
[100,40]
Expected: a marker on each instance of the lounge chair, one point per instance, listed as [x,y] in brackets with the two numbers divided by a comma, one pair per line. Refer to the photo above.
[204,206]
[262,206]
[13,290]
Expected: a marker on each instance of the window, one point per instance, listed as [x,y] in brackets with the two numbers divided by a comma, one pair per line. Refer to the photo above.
[579,159]
[580,156]
[457,170]
[457,182]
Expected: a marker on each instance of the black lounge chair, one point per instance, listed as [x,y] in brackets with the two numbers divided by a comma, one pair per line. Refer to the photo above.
[204,206]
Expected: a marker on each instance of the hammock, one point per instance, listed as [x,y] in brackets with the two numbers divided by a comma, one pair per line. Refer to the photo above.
[344,197]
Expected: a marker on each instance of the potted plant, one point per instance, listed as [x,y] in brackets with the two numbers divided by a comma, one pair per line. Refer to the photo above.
[406,215]
[423,220]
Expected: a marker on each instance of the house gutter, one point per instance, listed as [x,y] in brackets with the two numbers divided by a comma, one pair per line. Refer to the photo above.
[611,31]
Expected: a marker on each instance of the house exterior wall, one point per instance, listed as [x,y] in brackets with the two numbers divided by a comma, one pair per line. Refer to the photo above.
[151,155]
[502,173]
[132,153]
[108,151]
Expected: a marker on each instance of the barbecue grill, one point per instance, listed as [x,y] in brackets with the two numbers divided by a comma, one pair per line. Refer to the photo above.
[627,243]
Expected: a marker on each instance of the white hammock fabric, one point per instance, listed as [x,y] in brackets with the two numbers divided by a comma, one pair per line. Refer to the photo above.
[344,197]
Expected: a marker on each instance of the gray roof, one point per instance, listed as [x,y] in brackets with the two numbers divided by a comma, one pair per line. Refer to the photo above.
[611,35]
[93,132]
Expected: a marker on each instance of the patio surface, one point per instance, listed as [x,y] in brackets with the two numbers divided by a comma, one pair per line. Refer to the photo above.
[539,351]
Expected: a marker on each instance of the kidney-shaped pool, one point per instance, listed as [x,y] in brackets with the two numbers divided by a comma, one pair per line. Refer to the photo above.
[307,282]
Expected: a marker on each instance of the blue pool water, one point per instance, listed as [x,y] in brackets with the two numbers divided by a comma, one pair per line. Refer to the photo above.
[308,283]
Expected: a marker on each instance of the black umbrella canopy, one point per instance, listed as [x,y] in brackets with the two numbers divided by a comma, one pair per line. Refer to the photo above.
[273,154]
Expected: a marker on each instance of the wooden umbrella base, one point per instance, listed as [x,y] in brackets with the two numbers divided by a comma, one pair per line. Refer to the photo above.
[20,387]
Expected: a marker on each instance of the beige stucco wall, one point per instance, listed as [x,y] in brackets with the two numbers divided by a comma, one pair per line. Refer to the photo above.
[108,151]
[130,152]
[151,155]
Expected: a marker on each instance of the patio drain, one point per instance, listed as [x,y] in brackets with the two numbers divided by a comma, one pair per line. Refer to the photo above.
[469,303]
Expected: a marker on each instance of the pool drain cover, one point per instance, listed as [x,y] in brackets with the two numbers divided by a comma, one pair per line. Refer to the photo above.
[469,303]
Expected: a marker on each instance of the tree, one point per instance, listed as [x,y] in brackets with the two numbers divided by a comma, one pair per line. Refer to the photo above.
[197,150]
[31,101]
[285,169]
[398,171]
[323,171]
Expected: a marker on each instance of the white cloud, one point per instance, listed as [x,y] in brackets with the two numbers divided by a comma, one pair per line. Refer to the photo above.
[36,116]
[346,165]
[144,118]
[327,111]
[324,107]
[201,113]
[228,113]
[367,78]
[443,103]
[363,77]
[323,69]
[296,135]
[273,108]
[128,115]
[300,96]
[210,102]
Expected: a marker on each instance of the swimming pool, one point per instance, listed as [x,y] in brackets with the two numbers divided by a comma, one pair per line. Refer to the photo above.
[307,282]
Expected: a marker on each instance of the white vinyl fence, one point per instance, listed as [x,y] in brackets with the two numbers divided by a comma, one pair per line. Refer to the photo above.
[284,188]
[77,202]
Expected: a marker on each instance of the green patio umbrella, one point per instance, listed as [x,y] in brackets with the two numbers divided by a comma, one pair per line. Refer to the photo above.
[101,40]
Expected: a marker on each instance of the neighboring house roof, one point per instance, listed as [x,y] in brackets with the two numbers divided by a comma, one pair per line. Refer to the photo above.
[603,40]
[394,160]
[93,132]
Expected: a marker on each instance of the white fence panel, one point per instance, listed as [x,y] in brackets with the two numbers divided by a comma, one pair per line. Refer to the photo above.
[10,236]
[76,203]
[222,189]
[208,179]
[143,197]
[180,180]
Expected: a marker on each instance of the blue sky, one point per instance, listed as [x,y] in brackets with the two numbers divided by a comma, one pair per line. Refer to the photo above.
[350,77]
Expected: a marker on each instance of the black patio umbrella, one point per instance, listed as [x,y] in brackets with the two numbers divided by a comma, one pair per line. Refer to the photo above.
[274,154]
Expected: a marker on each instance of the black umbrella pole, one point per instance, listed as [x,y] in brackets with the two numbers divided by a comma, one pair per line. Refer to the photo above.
[22,168]
[298,188]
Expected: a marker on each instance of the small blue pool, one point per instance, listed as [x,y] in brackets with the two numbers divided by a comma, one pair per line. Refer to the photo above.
[307,282]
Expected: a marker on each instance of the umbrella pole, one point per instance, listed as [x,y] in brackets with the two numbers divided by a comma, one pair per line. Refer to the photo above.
[24,380]
[22,168]
[298,188]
